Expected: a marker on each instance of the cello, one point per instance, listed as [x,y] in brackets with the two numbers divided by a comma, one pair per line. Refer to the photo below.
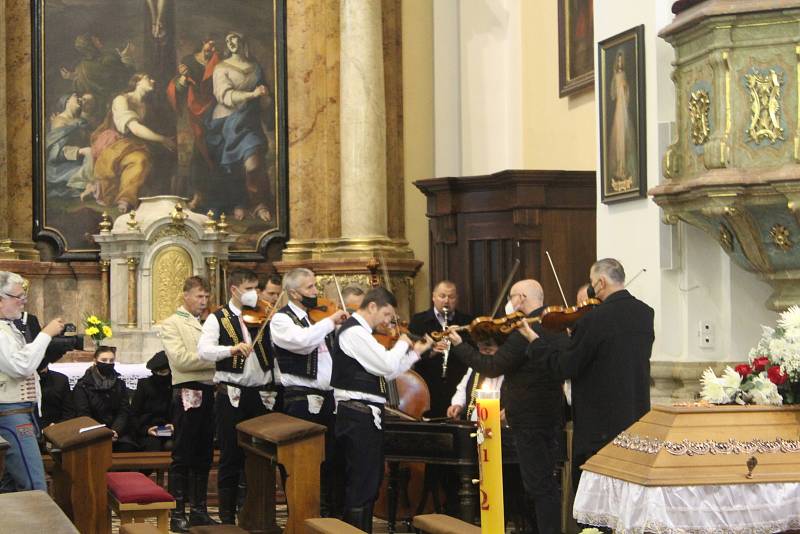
[408,397]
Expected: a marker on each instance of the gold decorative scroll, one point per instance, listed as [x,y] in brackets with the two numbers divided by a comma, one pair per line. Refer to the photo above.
[699,104]
[765,105]
[171,267]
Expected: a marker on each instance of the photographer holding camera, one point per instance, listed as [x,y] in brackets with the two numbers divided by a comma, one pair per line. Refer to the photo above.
[19,385]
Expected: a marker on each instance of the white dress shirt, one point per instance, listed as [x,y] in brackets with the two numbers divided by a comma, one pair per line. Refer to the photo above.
[303,340]
[208,348]
[358,343]
[460,397]
[19,360]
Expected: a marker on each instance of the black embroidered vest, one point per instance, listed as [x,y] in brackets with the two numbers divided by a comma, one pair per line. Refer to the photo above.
[290,363]
[230,334]
[348,373]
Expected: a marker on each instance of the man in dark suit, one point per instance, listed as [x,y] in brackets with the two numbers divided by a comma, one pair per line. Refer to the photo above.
[445,296]
[533,402]
[608,361]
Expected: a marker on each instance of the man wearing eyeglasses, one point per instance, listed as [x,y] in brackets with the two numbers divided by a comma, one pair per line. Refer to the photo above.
[19,385]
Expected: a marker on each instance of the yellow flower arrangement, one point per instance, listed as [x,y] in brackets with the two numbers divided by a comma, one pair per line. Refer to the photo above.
[96,328]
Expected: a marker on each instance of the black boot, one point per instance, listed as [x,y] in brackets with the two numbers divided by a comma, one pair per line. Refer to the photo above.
[227,505]
[198,511]
[178,521]
[360,517]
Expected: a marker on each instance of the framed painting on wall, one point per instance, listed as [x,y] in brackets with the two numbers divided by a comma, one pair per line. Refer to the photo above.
[135,99]
[623,139]
[575,46]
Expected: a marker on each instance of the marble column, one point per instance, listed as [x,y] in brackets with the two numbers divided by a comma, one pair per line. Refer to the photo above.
[5,243]
[363,121]
[17,166]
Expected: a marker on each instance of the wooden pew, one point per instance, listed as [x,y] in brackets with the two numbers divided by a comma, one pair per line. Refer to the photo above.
[79,474]
[33,511]
[296,444]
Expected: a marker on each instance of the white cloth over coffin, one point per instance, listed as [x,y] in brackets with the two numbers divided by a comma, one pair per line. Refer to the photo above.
[630,508]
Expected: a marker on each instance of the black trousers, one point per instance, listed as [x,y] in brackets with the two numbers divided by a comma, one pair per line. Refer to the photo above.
[536,452]
[193,442]
[361,443]
[231,456]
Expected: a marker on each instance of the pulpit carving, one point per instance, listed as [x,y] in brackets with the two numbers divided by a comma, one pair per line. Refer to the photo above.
[764,88]
[171,266]
[147,263]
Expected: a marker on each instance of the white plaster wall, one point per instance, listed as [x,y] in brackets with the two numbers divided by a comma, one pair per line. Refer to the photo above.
[689,278]
[477,86]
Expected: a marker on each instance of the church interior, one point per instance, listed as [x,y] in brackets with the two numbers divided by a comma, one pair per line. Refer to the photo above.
[582,216]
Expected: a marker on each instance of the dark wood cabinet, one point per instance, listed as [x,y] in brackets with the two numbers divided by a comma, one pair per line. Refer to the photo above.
[480,224]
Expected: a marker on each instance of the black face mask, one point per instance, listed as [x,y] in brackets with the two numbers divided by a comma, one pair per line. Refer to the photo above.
[163,379]
[590,291]
[308,302]
[106,369]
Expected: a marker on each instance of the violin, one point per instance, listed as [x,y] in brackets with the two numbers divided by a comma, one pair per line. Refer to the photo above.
[387,335]
[255,317]
[554,318]
[324,308]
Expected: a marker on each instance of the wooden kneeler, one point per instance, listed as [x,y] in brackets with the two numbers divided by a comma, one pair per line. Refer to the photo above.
[296,444]
[134,497]
[79,475]
[443,524]
[330,525]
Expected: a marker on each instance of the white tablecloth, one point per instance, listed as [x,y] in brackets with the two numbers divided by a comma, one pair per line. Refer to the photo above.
[630,508]
[131,372]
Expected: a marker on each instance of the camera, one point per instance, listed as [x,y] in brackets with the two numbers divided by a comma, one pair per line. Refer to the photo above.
[66,341]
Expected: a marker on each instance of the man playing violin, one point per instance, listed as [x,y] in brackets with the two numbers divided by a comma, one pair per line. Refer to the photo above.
[533,402]
[269,289]
[608,362]
[192,407]
[353,296]
[304,360]
[361,367]
[244,377]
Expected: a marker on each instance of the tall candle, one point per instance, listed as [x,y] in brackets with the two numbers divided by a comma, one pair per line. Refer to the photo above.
[490,461]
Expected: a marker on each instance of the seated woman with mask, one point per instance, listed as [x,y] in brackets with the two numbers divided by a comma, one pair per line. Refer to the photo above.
[150,410]
[102,395]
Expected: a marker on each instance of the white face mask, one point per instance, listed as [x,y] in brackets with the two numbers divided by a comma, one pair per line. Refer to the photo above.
[509,308]
[249,298]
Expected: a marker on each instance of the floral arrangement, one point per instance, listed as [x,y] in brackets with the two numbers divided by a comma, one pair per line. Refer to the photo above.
[772,373]
[96,328]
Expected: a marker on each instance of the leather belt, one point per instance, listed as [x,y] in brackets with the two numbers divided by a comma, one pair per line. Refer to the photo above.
[16,411]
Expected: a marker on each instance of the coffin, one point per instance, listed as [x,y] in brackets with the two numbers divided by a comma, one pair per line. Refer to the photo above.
[705,445]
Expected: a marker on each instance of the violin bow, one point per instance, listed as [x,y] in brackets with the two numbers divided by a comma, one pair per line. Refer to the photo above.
[268,318]
[506,286]
[637,275]
[339,291]
[547,253]
[388,282]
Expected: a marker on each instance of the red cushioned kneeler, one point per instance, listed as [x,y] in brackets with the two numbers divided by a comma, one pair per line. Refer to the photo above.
[132,487]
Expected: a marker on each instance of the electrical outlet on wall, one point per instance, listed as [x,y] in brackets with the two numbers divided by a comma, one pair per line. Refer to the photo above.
[705,334]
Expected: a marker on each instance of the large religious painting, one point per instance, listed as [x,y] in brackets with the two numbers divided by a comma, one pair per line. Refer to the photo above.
[575,46]
[139,98]
[623,145]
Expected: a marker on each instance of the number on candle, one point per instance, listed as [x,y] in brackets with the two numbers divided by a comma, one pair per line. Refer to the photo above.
[484,500]
[485,455]
[483,413]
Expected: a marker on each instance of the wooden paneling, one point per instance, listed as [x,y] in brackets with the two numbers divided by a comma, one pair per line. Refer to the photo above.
[480,224]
